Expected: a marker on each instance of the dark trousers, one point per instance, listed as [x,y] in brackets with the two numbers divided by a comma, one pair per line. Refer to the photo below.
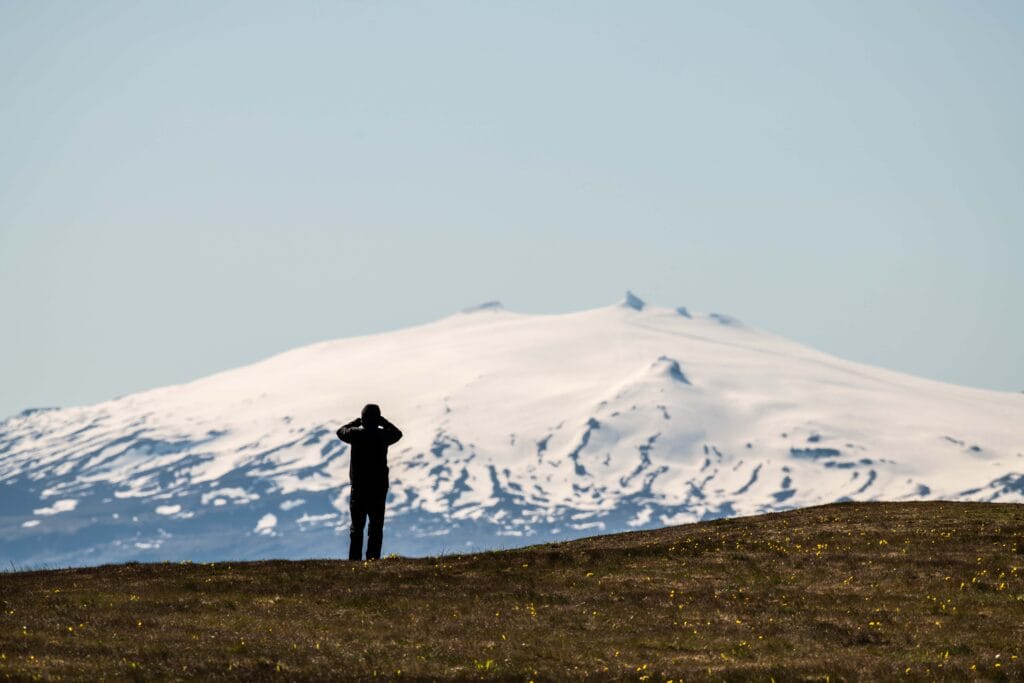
[363,503]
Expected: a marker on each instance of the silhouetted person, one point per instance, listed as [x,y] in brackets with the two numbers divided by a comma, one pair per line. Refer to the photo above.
[370,436]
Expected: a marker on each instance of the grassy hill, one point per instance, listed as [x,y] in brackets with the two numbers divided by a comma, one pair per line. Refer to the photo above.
[849,591]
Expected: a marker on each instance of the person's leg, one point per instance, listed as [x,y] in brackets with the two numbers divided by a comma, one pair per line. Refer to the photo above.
[376,512]
[357,508]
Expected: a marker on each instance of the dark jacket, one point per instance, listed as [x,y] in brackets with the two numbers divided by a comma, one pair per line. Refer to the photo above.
[368,461]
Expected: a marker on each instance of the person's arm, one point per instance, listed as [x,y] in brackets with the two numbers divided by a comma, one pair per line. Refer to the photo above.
[391,432]
[346,432]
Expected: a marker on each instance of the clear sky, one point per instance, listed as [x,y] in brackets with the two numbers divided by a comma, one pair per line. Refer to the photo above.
[190,186]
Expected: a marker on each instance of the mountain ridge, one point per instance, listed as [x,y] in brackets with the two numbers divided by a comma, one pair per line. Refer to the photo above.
[519,428]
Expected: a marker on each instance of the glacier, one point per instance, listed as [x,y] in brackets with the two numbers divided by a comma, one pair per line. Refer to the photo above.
[519,429]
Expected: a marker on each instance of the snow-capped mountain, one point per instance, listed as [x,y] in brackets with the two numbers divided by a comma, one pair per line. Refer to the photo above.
[518,429]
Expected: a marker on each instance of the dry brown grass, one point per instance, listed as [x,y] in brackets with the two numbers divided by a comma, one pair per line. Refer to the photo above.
[853,591]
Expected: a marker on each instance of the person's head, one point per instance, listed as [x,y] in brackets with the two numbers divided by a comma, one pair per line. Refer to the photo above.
[371,415]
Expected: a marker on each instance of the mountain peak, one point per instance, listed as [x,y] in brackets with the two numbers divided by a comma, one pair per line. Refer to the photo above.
[633,301]
[727,320]
[485,306]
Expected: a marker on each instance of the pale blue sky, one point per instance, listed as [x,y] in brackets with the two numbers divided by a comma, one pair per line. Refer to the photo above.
[190,186]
